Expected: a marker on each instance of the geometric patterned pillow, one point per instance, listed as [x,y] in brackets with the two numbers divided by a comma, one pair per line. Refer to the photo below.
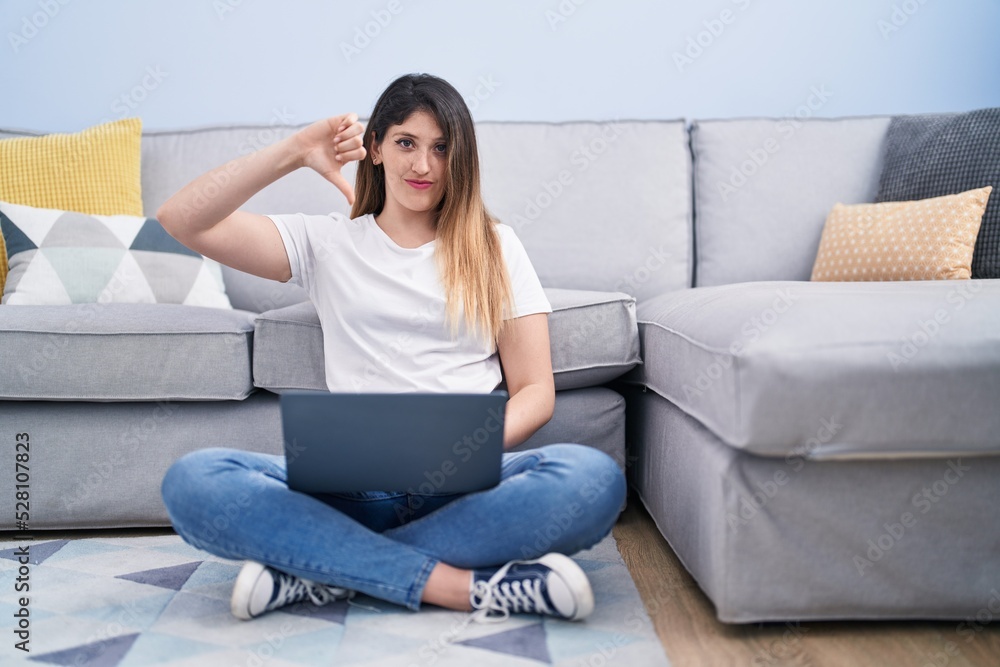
[63,257]
[930,239]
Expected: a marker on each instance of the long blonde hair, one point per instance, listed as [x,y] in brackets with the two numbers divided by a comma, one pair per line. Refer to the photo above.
[467,246]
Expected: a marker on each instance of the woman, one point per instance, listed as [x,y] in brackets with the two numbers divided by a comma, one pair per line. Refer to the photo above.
[420,290]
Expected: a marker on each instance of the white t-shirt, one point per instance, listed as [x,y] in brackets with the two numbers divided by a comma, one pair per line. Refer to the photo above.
[382,307]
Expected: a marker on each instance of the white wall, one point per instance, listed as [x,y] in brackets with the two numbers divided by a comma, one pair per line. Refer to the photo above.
[67,64]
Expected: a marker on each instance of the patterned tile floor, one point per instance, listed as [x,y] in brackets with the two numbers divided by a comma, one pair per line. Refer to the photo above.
[154,600]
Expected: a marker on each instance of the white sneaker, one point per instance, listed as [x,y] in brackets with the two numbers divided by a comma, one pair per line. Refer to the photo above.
[553,584]
[260,589]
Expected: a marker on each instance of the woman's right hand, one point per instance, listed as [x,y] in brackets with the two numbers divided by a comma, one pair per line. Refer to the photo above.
[328,144]
[204,215]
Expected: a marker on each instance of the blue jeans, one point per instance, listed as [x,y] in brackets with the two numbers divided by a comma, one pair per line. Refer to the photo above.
[237,505]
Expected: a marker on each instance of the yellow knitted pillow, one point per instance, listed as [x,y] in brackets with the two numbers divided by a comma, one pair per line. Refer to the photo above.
[95,171]
[929,239]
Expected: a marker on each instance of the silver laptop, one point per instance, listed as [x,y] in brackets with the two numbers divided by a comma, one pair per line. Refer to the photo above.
[415,443]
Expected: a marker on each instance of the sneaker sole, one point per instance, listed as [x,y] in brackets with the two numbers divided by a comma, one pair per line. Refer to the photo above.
[239,605]
[575,578]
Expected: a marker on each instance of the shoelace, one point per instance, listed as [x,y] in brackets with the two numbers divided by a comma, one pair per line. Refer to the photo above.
[504,597]
[499,598]
[293,589]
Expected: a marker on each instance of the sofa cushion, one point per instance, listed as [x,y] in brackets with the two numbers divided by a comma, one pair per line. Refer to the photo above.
[598,206]
[928,239]
[831,370]
[593,336]
[763,189]
[930,155]
[124,352]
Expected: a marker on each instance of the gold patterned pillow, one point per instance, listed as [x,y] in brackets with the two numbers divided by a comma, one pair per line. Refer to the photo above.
[929,239]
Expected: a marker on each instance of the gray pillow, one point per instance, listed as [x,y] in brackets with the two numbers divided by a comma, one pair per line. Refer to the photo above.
[931,155]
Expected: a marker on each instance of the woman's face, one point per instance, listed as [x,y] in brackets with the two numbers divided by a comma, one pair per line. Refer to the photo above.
[415,159]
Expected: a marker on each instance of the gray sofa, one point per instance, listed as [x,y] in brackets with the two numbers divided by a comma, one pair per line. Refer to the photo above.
[110,395]
[815,450]
[796,472]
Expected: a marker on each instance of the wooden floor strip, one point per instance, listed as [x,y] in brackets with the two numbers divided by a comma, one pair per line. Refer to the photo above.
[685,622]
